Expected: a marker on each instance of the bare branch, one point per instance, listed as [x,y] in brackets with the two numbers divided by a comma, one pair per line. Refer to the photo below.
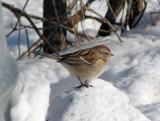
[41,36]
[111,9]
[26,31]
[19,38]
[106,21]
[145,5]
[17,11]
[32,48]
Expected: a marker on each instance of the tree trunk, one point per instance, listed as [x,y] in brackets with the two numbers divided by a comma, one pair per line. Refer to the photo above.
[54,10]
[112,13]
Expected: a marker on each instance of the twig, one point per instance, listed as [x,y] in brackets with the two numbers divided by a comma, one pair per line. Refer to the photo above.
[73,24]
[71,5]
[41,36]
[129,6]
[19,38]
[19,33]
[54,5]
[18,17]
[106,21]
[122,17]
[18,11]
[32,48]
[151,14]
[145,5]
[84,17]
[80,12]
[111,9]
[14,29]
[26,31]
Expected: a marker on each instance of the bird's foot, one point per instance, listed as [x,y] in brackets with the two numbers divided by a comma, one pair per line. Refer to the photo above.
[84,85]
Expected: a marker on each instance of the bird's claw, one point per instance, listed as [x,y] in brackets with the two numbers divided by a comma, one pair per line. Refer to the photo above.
[84,85]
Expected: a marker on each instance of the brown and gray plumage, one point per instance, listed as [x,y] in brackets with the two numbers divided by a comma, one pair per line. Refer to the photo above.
[86,64]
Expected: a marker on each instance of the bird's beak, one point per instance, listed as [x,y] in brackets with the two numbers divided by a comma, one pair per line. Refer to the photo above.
[111,54]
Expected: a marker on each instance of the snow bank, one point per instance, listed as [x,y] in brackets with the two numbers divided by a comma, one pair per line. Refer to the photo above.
[36,76]
[8,73]
[103,102]
[137,70]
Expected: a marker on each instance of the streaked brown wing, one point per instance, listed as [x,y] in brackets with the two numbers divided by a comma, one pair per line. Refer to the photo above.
[79,57]
[89,56]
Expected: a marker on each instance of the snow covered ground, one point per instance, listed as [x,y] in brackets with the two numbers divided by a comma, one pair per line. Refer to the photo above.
[134,70]
[103,102]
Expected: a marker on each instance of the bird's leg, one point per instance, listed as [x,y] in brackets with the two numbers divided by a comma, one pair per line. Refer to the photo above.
[83,84]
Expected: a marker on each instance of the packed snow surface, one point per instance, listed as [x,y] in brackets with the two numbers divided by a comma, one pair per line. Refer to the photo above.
[103,102]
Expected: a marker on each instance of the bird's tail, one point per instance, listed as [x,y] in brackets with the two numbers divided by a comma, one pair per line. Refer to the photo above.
[42,55]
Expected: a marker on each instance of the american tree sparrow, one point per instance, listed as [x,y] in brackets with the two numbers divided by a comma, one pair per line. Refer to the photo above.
[86,64]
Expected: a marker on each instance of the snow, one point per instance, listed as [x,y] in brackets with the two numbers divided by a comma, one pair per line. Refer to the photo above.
[46,87]
[8,73]
[137,69]
[101,102]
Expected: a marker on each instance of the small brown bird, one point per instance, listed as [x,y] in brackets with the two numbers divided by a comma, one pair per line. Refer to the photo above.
[85,64]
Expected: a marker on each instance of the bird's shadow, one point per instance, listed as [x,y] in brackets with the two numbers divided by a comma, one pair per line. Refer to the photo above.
[61,102]
[62,86]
